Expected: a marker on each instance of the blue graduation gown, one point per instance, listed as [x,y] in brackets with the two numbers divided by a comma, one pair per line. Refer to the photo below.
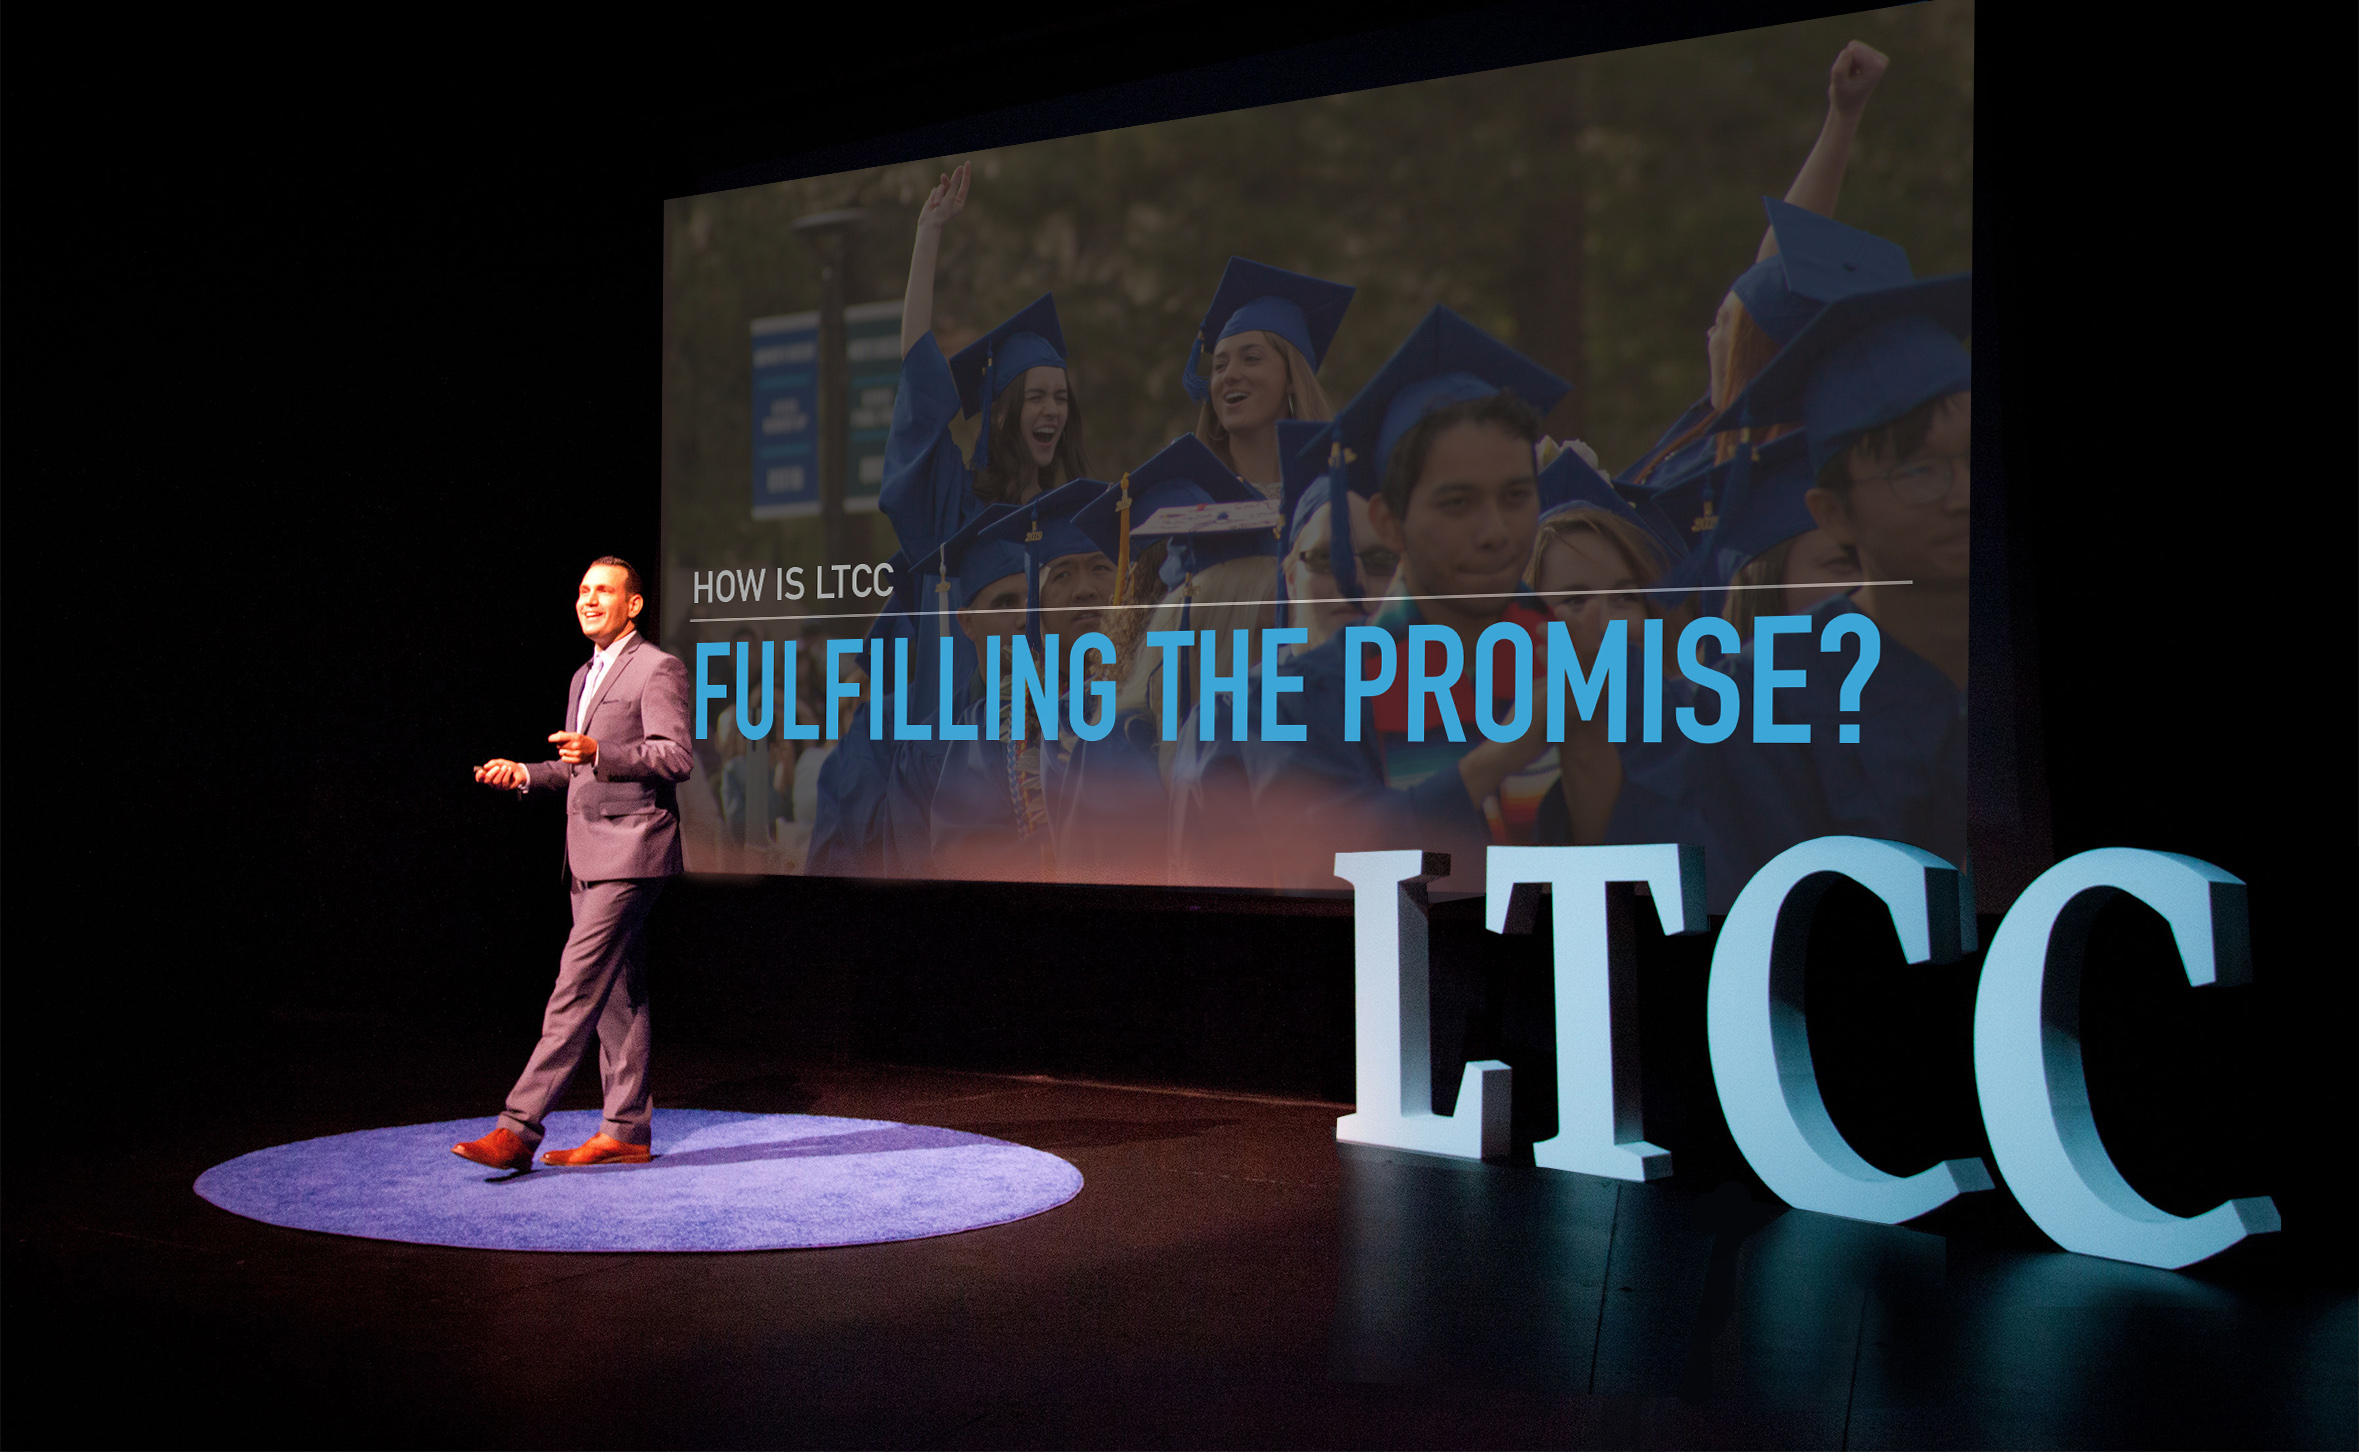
[875,810]
[1696,451]
[928,491]
[909,805]
[1098,814]
[1216,835]
[1323,795]
[928,495]
[917,765]
[1670,467]
[874,803]
[1552,816]
[1746,801]
[848,831]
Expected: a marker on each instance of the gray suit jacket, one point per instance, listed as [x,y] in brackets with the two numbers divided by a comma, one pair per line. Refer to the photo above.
[622,817]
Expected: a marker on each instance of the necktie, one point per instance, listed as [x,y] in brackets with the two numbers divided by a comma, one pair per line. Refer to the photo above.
[589,690]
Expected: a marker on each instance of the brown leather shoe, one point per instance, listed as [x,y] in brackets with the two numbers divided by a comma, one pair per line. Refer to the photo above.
[600,1149]
[502,1149]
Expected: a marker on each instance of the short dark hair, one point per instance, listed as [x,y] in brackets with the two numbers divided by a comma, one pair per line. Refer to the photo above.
[1501,410]
[631,580]
[1895,441]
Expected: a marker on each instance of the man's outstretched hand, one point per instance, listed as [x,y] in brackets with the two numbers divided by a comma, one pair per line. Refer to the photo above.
[573,748]
[501,772]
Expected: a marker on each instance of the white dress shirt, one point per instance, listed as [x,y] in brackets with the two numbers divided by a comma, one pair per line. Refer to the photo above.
[601,661]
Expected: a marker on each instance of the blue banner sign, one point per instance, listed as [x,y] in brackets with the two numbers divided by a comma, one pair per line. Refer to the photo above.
[786,407]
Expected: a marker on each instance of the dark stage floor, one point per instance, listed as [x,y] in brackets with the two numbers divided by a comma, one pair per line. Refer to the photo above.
[1227,1277]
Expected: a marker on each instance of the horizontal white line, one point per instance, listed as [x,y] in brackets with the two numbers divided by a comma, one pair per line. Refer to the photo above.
[1336,600]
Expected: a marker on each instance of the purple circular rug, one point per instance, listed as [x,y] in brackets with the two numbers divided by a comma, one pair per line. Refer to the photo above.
[719,1181]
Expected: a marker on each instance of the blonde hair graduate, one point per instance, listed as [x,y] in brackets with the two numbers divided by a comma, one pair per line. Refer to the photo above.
[1264,338]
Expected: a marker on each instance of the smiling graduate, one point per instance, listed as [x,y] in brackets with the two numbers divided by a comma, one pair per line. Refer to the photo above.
[1255,362]
[1444,441]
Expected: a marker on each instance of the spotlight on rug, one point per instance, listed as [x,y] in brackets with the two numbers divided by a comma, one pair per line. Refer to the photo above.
[718,1181]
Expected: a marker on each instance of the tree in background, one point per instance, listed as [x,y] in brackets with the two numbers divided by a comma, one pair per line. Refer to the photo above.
[1591,210]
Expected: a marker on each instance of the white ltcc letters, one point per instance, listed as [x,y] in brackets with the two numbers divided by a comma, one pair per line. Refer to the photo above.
[2027,1058]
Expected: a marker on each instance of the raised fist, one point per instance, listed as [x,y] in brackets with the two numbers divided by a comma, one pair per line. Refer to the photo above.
[1854,76]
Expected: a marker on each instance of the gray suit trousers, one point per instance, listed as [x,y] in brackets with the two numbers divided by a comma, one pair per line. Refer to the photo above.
[601,990]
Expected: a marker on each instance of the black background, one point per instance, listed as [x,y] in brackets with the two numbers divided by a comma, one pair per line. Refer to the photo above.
[330,359]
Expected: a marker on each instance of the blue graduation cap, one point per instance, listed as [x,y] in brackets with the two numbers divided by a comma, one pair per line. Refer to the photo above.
[1183,473]
[1768,510]
[1444,360]
[1865,361]
[966,564]
[1684,511]
[1043,529]
[1732,512]
[1302,471]
[1818,260]
[1254,296]
[983,369]
[970,563]
[1203,535]
[1570,483]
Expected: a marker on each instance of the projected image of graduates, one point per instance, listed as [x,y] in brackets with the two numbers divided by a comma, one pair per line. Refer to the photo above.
[1575,453]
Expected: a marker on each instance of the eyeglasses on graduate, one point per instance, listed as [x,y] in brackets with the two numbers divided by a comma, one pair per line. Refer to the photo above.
[1922,481]
[1376,562]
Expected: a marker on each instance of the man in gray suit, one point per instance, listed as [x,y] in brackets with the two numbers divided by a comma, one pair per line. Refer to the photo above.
[624,748]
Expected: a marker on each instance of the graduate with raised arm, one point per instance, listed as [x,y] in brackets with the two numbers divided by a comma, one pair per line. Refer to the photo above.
[1882,383]
[1820,261]
[1256,361]
[1057,805]
[1760,312]
[1444,438]
[1014,376]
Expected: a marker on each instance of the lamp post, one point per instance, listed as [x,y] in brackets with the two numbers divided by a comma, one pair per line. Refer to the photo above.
[830,235]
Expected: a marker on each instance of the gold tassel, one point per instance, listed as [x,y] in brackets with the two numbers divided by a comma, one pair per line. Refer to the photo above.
[1122,550]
